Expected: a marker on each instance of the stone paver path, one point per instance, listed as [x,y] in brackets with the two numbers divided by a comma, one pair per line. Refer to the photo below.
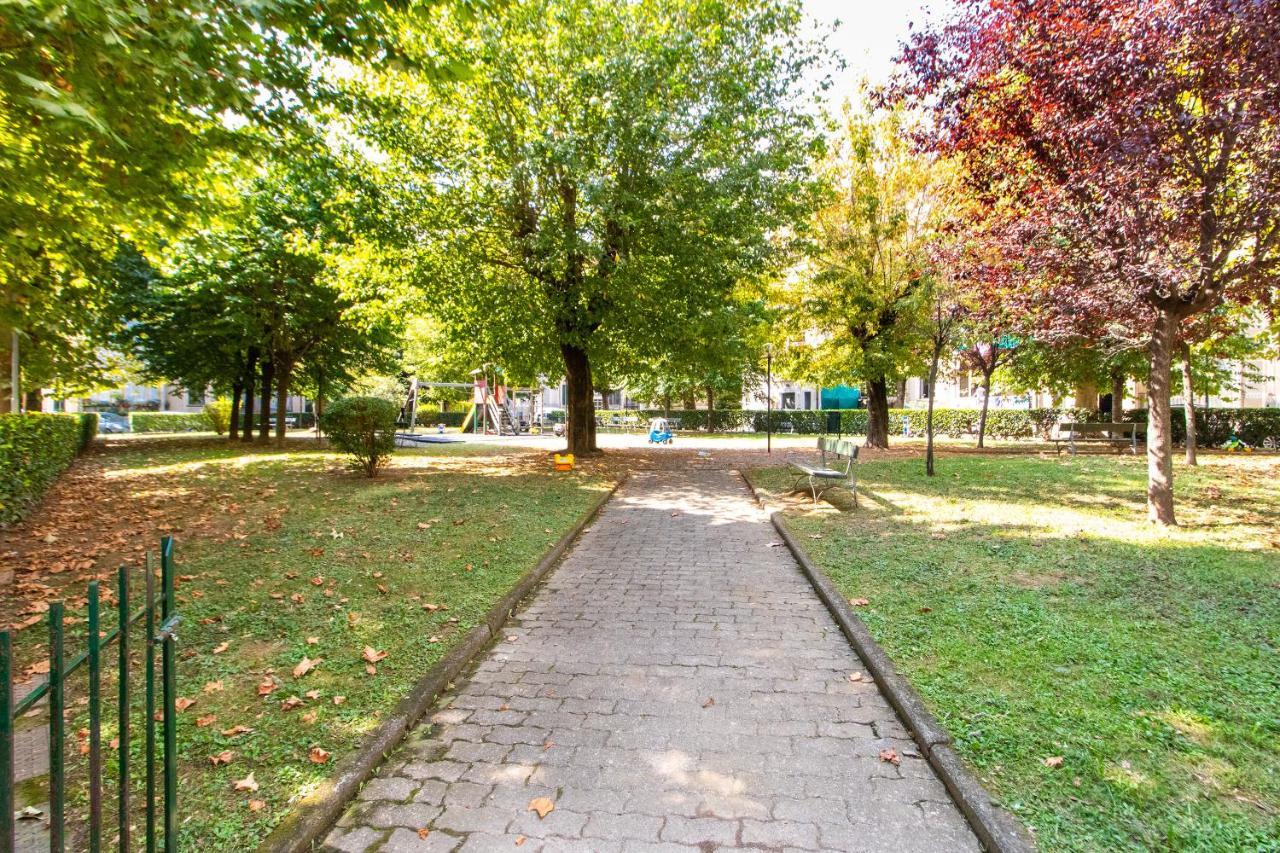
[675,685]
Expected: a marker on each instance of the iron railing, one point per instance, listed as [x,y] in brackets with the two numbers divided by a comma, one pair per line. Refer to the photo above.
[53,689]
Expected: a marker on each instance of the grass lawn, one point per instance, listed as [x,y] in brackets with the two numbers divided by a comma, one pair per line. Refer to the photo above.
[1042,617]
[284,555]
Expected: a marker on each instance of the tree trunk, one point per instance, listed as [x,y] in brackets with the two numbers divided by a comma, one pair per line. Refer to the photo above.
[1159,423]
[6,356]
[688,402]
[580,424]
[264,416]
[250,375]
[878,413]
[1117,396]
[711,407]
[319,407]
[902,394]
[282,399]
[933,378]
[233,428]
[1189,403]
[666,405]
[986,404]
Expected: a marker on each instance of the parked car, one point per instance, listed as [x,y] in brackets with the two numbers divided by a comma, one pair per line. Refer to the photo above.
[110,422]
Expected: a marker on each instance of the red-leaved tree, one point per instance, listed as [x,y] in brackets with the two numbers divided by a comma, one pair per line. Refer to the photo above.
[1134,146]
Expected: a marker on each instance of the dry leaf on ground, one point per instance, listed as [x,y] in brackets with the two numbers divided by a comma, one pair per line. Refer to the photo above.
[248,783]
[542,805]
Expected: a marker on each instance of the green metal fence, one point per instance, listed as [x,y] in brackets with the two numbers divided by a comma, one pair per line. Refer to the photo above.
[159,619]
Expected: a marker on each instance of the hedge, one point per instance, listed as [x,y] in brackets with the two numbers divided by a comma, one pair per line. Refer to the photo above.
[88,428]
[1215,426]
[431,417]
[170,422]
[1001,423]
[34,450]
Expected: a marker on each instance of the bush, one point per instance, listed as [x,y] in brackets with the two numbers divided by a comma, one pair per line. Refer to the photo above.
[364,427]
[88,428]
[219,414]
[431,417]
[170,422]
[34,450]
[1215,426]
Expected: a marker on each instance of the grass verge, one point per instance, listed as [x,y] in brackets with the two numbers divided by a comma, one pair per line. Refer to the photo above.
[284,558]
[1116,686]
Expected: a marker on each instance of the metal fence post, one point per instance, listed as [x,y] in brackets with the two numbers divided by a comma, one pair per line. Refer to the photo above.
[95,721]
[7,841]
[57,718]
[170,696]
[122,602]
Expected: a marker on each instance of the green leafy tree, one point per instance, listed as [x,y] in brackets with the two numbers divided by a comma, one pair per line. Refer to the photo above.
[605,175]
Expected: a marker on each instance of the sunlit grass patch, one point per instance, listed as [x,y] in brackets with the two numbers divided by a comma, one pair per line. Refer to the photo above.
[1041,615]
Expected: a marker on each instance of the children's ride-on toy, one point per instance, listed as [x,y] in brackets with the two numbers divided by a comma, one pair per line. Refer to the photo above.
[1235,445]
[659,432]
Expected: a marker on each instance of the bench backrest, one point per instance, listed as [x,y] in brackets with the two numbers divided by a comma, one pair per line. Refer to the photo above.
[839,448]
[1124,430]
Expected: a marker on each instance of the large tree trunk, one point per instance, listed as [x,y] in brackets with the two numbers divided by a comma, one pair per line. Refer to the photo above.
[878,413]
[250,376]
[666,405]
[282,399]
[1117,396]
[580,424]
[933,378]
[986,404]
[1189,403]
[233,428]
[1159,423]
[264,416]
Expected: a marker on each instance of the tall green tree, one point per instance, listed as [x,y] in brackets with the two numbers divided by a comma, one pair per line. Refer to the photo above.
[605,175]
[864,290]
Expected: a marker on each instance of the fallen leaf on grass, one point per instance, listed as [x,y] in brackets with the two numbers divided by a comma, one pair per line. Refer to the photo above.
[372,655]
[891,756]
[338,700]
[213,686]
[257,805]
[305,665]
[267,686]
[236,730]
[311,641]
[542,805]
[207,720]
[223,757]
[1053,761]
[312,694]
[318,755]
[248,783]
[219,649]
[859,602]
[182,703]
[353,619]
[291,703]
[309,717]
[318,580]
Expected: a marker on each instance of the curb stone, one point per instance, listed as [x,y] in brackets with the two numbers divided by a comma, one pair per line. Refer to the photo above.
[304,827]
[999,830]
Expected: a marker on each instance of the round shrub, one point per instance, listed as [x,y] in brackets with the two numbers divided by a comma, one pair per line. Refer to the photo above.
[219,414]
[364,427]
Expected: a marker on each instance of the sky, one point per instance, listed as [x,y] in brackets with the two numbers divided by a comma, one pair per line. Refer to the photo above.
[870,33]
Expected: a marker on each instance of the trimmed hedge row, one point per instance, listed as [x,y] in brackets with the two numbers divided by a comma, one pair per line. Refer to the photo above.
[34,450]
[431,417]
[170,422]
[1215,426]
[1001,423]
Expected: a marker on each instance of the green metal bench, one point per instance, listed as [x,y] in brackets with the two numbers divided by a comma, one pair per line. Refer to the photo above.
[817,479]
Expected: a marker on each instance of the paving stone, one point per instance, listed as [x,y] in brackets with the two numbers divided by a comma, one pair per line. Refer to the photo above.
[675,682]
[409,841]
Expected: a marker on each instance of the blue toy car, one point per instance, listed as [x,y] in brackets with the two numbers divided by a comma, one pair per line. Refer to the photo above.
[659,432]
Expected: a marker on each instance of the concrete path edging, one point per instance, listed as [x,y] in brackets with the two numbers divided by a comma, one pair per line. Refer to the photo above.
[999,830]
[312,817]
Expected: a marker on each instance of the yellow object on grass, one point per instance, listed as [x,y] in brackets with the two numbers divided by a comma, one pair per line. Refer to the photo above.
[564,461]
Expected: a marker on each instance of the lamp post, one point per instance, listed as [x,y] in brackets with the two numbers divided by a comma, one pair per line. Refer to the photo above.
[768,374]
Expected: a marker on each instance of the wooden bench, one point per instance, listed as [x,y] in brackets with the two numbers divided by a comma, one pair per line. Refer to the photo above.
[1118,435]
[818,478]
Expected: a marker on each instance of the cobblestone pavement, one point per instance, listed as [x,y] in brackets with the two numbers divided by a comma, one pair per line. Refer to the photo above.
[675,685]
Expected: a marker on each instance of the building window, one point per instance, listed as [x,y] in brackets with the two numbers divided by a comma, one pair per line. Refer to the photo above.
[924,389]
[808,399]
[195,398]
[789,400]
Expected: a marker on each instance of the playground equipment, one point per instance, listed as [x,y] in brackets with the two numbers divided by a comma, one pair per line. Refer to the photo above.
[564,461]
[659,431]
[1235,445]
[495,408]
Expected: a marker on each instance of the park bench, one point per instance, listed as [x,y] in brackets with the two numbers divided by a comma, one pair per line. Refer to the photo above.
[1118,435]
[818,478]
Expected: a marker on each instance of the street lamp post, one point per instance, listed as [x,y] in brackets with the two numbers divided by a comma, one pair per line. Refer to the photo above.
[768,422]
